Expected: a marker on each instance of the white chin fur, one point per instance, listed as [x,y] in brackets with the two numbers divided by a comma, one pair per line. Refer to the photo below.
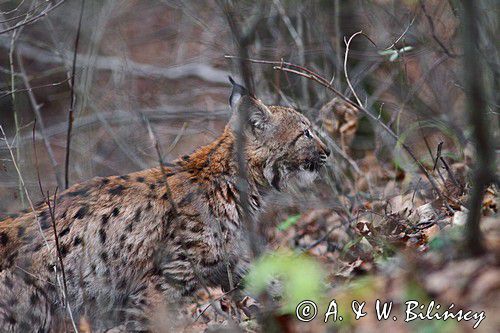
[306,177]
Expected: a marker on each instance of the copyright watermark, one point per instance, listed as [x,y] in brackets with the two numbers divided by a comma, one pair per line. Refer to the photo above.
[306,311]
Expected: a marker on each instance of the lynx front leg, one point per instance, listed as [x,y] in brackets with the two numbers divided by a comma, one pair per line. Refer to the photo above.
[154,307]
[239,271]
[24,307]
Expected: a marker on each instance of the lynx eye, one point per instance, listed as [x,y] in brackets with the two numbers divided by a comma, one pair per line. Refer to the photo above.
[308,133]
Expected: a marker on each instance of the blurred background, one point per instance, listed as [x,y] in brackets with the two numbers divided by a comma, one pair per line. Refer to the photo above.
[165,60]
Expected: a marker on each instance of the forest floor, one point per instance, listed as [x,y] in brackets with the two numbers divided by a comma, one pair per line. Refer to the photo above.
[406,248]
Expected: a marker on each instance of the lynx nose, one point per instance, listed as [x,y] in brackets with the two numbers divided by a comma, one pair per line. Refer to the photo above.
[323,150]
[324,153]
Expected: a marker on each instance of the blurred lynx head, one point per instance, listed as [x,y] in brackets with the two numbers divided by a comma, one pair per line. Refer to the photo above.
[340,120]
[281,138]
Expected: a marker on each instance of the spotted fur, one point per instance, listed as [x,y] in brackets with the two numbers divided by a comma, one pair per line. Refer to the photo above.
[128,251]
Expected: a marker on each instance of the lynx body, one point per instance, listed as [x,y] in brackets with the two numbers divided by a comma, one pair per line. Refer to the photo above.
[128,248]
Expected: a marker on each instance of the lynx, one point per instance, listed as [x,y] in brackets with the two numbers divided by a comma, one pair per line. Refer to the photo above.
[130,245]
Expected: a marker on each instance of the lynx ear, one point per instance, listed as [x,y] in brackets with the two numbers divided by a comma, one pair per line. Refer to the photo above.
[241,102]
[237,93]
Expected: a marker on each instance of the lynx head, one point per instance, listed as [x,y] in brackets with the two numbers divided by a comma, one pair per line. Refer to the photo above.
[279,140]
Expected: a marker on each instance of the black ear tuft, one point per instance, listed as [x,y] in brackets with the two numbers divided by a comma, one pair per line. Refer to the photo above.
[236,93]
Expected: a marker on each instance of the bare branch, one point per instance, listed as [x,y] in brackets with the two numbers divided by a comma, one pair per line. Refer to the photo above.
[33,19]
[54,84]
[73,99]
[402,34]
[202,71]
[32,206]
[477,107]
[36,109]
[433,31]
[242,41]
[25,15]
[347,44]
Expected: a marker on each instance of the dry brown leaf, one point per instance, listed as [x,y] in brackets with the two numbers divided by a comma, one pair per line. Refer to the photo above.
[340,120]
[487,282]
[431,232]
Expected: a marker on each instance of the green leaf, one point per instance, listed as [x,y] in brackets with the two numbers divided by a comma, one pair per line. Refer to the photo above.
[393,57]
[406,49]
[387,52]
[290,221]
[301,276]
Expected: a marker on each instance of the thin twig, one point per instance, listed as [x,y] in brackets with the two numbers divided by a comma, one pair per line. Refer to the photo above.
[34,276]
[243,40]
[403,34]
[35,18]
[297,38]
[156,144]
[433,31]
[73,99]
[32,206]
[26,14]
[450,174]
[13,40]
[15,9]
[337,34]
[438,154]
[52,212]
[212,302]
[36,109]
[347,44]
[170,199]
[33,88]
[177,138]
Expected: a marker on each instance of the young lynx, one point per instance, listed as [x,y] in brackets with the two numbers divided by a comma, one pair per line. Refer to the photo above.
[127,251]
